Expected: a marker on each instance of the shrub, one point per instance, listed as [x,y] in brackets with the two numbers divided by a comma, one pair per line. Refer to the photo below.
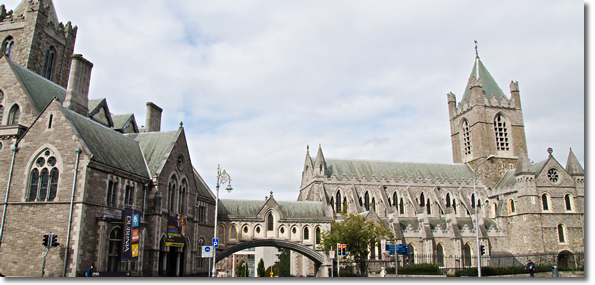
[420,269]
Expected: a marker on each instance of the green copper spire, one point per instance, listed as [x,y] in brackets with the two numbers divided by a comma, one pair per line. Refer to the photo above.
[489,85]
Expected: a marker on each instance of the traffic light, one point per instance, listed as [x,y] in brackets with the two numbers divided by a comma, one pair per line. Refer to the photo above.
[338,249]
[482,249]
[55,240]
[343,248]
[45,240]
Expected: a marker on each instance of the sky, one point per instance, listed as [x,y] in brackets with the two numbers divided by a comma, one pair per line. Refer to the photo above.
[256,82]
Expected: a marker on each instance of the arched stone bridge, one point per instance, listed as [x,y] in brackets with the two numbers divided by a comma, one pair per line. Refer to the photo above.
[294,225]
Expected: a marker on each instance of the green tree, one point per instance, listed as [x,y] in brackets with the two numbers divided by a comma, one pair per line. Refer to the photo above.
[260,270]
[358,235]
[275,270]
[242,269]
[284,265]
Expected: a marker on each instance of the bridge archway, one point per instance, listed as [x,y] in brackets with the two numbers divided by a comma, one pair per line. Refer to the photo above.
[304,250]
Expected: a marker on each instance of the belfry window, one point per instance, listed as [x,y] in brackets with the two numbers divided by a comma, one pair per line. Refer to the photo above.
[466,138]
[43,183]
[49,62]
[501,133]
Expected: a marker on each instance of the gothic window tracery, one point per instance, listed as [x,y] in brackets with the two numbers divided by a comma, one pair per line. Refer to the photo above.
[43,182]
[338,206]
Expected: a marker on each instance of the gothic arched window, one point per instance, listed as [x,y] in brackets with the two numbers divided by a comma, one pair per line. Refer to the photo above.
[344,204]
[182,193]
[113,251]
[8,46]
[13,115]
[395,203]
[1,112]
[374,204]
[401,207]
[561,234]
[270,222]
[544,202]
[367,201]
[333,203]
[501,133]
[568,202]
[200,263]
[440,255]
[43,181]
[428,207]
[317,235]
[447,200]
[422,200]
[466,138]
[338,202]
[171,194]
[49,62]
[306,233]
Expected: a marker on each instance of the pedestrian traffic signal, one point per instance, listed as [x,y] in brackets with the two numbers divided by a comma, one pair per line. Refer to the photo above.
[46,238]
[482,249]
[343,248]
[55,240]
[338,249]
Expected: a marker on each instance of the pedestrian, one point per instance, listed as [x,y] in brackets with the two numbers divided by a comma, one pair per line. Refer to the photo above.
[531,267]
[90,271]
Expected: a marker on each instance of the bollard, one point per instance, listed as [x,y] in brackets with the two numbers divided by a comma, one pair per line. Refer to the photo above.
[555,271]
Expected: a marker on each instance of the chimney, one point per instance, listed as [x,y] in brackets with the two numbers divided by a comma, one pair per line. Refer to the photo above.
[77,92]
[153,123]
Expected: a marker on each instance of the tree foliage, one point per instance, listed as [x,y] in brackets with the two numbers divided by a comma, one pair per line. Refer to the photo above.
[260,270]
[284,265]
[242,269]
[358,235]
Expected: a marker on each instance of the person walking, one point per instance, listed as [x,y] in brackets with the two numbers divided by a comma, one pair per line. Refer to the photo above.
[90,271]
[531,267]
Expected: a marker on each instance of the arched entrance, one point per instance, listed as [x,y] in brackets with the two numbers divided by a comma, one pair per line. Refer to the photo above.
[467,255]
[566,260]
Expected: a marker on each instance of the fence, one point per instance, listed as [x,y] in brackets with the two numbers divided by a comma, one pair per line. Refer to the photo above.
[451,263]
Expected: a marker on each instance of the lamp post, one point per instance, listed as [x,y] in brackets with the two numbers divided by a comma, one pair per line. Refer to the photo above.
[476,216]
[222,178]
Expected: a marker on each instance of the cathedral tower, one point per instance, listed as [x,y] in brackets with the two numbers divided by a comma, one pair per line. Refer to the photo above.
[32,37]
[485,122]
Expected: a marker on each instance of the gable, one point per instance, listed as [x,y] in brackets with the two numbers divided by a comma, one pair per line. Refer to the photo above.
[552,173]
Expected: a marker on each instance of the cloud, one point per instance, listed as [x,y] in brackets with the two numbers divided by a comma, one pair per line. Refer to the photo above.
[256,81]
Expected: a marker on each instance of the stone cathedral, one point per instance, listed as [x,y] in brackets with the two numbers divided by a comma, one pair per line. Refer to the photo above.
[524,208]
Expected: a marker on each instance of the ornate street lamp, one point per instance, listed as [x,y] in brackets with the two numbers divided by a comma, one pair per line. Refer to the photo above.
[222,178]
[476,216]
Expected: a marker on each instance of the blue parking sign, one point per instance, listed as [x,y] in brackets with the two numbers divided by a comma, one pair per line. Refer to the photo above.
[215,242]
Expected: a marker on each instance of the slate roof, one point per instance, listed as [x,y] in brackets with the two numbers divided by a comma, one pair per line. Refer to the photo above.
[367,168]
[93,103]
[489,85]
[155,146]
[40,90]
[250,208]
[108,146]
[201,187]
[121,120]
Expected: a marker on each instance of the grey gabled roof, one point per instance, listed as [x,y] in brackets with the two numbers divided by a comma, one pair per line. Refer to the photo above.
[107,146]
[121,120]
[250,208]
[40,90]
[367,168]
[489,85]
[155,146]
[201,186]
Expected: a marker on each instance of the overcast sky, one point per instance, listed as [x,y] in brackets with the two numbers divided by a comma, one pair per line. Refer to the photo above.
[255,82]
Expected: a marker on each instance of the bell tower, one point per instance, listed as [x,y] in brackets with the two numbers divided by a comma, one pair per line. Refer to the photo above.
[33,37]
[486,122]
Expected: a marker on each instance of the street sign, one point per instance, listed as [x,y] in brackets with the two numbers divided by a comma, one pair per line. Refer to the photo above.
[383,257]
[383,243]
[402,249]
[391,248]
[215,242]
[207,251]
[332,254]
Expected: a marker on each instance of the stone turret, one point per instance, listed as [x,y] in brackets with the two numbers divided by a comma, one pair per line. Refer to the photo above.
[77,93]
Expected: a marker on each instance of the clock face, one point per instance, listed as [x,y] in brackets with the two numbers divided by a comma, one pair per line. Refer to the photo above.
[180,161]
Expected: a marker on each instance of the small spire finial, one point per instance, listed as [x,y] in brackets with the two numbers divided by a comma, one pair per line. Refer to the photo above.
[307,148]
[550,150]
[181,124]
[271,194]
[476,53]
